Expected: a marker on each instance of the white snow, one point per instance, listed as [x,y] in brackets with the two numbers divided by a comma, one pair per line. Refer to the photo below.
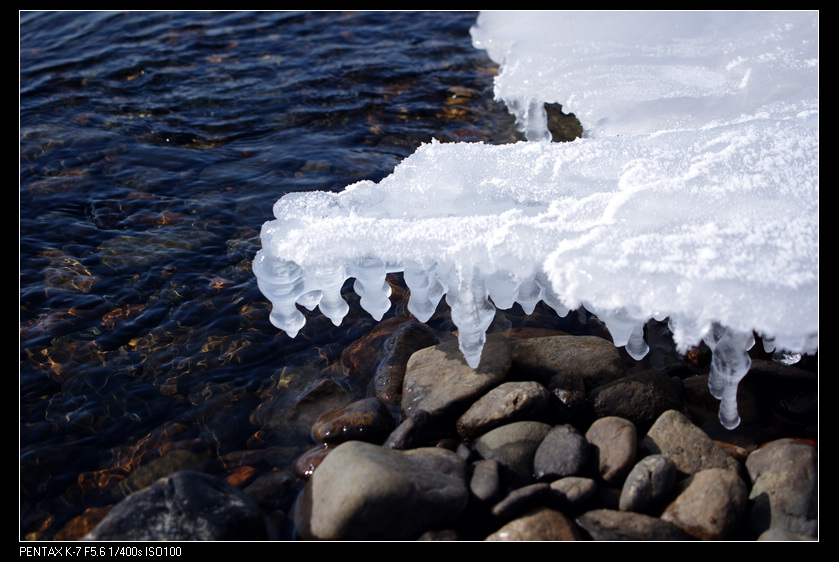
[693,196]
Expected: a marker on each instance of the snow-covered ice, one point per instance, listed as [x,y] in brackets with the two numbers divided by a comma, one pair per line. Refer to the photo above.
[692,197]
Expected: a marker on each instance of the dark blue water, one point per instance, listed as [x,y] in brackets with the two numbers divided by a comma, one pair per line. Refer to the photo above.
[153,146]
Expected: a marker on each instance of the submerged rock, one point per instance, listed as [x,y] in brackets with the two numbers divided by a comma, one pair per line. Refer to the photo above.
[389,374]
[363,420]
[184,506]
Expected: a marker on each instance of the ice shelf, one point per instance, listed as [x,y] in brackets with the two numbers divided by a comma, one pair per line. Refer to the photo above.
[693,196]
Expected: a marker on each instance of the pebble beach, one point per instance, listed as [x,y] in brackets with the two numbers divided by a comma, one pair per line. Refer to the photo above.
[554,436]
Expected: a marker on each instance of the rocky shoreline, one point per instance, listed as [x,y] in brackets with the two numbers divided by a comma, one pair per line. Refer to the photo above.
[553,437]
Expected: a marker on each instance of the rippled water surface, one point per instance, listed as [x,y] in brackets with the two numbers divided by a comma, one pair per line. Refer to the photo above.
[153,146]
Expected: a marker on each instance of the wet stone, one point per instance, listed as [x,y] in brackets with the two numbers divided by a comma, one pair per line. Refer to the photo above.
[414,431]
[169,463]
[306,463]
[389,374]
[82,524]
[608,497]
[700,405]
[794,391]
[520,460]
[364,420]
[359,359]
[289,416]
[139,251]
[272,489]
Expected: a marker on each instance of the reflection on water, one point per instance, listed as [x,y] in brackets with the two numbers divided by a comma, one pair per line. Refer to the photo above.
[153,146]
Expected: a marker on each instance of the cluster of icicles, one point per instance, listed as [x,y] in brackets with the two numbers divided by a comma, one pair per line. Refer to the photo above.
[473,301]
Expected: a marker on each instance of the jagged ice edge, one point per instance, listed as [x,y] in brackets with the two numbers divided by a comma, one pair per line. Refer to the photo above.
[473,301]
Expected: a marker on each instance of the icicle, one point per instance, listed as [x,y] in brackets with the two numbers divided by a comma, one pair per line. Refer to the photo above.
[426,290]
[472,313]
[626,331]
[531,119]
[729,365]
[371,285]
[332,304]
[281,282]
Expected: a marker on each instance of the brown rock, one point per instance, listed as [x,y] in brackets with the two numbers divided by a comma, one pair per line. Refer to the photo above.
[364,420]
[613,525]
[614,441]
[439,381]
[711,506]
[595,359]
[543,524]
[784,494]
[690,448]
[640,398]
[389,373]
[508,402]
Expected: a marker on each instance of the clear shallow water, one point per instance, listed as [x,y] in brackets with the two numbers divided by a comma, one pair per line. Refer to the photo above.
[153,146]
